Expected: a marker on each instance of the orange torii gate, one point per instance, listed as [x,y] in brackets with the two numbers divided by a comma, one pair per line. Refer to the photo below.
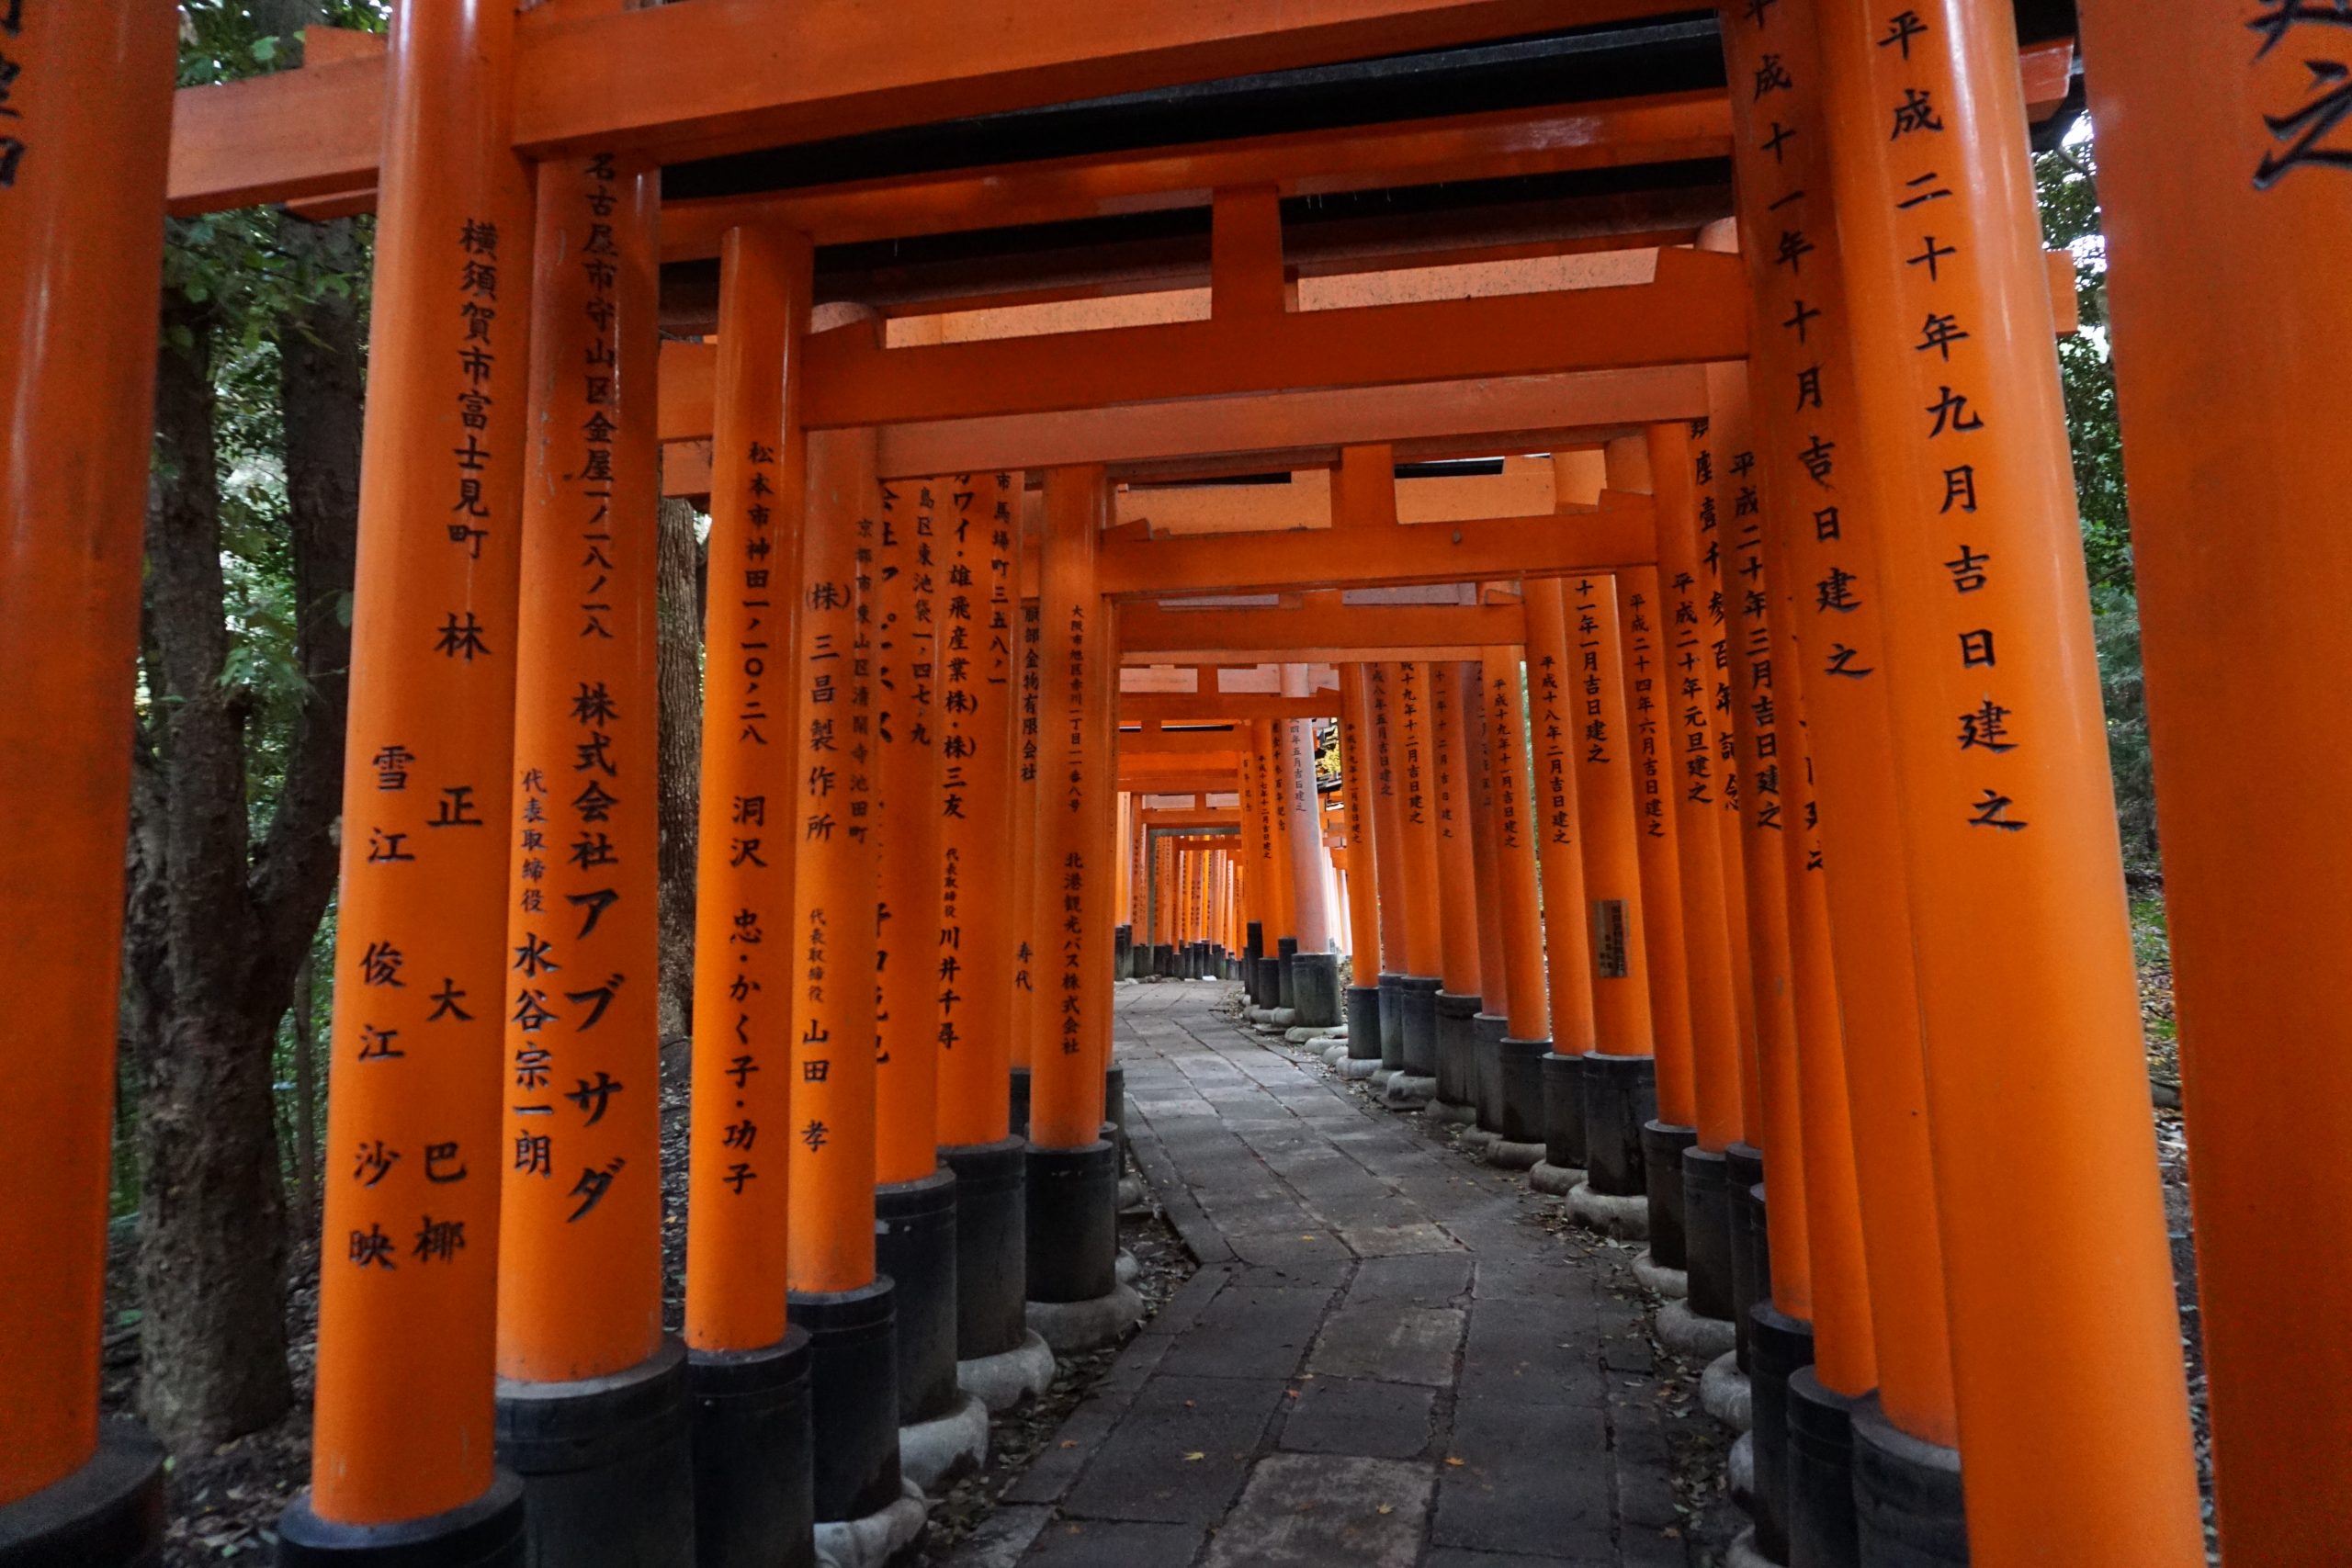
[1962,1009]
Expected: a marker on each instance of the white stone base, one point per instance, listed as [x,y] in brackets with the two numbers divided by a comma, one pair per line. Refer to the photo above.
[1555,1181]
[934,1454]
[877,1539]
[1125,1268]
[1691,1337]
[1460,1115]
[1744,1553]
[1739,1473]
[1504,1155]
[1626,1218]
[1335,1053]
[1358,1067]
[1723,1393]
[1672,1283]
[1072,1328]
[1406,1093]
[1003,1381]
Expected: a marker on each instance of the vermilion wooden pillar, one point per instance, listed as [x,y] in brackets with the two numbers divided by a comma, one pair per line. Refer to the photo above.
[580,1239]
[915,1195]
[1804,409]
[2222,166]
[1386,733]
[1641,1068]
[1075,1300]
[1414,752]
[1523,1031]
[1699,784]
[738,1167]
[1652,744]
[1453,716]
[1483,1081]
[1570,887]
[1773,1248]
[1356,788]
[2074,1416]
[1029,681]
[978,941]
[90,127]
[1310,862]
[837,1294]
[408,1290]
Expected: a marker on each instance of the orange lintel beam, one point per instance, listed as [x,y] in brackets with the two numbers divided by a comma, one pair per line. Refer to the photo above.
[720,76]
[1547,138]
[1150,633]
[1199,781]
[1285,430]
[1695,312]
[1622,533]
[1191,816]
[1187,743]
[1220,707]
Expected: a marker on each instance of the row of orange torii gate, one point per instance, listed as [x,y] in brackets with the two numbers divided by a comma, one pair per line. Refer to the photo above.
[1816,852]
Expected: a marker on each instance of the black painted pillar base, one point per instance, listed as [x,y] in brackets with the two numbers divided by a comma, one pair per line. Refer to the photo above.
[1821,1475]
[1519,1090]
[1391,1023]
[106,1513]
[915,1247]
[1253,948]
[1564,1133]
[1619,1096]
[1457,1066]
[607,1464]
[1663,1147]
[1907,1502]
[852,1398]
[1486,1032]
[485,1533]
[1017,1116]
[992,1246]
[1780,1346]
[1122,951]
[1364,1022]
[1074,1213]
[1315,990]
[1751,1278]
[1285,977]
[1417,993]
[1706,1232]
[1270,982]
[755,1502]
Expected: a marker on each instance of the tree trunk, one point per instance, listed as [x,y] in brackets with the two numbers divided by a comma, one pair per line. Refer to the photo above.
[306,1106]
[237,917]
[680,673]
[212,1233]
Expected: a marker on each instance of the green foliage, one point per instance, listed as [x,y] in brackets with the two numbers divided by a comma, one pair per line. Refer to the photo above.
[2067,181]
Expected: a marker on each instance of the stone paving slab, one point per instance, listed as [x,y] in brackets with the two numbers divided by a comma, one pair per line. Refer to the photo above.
[1387,1360]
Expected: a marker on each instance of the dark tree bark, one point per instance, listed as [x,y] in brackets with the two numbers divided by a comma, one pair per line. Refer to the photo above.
[236,917]
[679,665]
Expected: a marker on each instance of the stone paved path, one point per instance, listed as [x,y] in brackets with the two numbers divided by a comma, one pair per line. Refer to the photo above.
[1387,1360]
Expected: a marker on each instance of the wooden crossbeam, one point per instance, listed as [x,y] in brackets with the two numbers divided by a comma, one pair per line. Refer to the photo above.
[1279,430]
[1622,534]
[1548,139]
[1223,708]
[1196,781]
[1193,816]
[719,76]
[1149,634]
[1154,742]
[1695,312]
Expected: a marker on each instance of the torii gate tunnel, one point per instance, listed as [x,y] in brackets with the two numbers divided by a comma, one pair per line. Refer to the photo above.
[1536,536]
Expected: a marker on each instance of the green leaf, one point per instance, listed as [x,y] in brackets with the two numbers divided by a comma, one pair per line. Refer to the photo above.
[264,50]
